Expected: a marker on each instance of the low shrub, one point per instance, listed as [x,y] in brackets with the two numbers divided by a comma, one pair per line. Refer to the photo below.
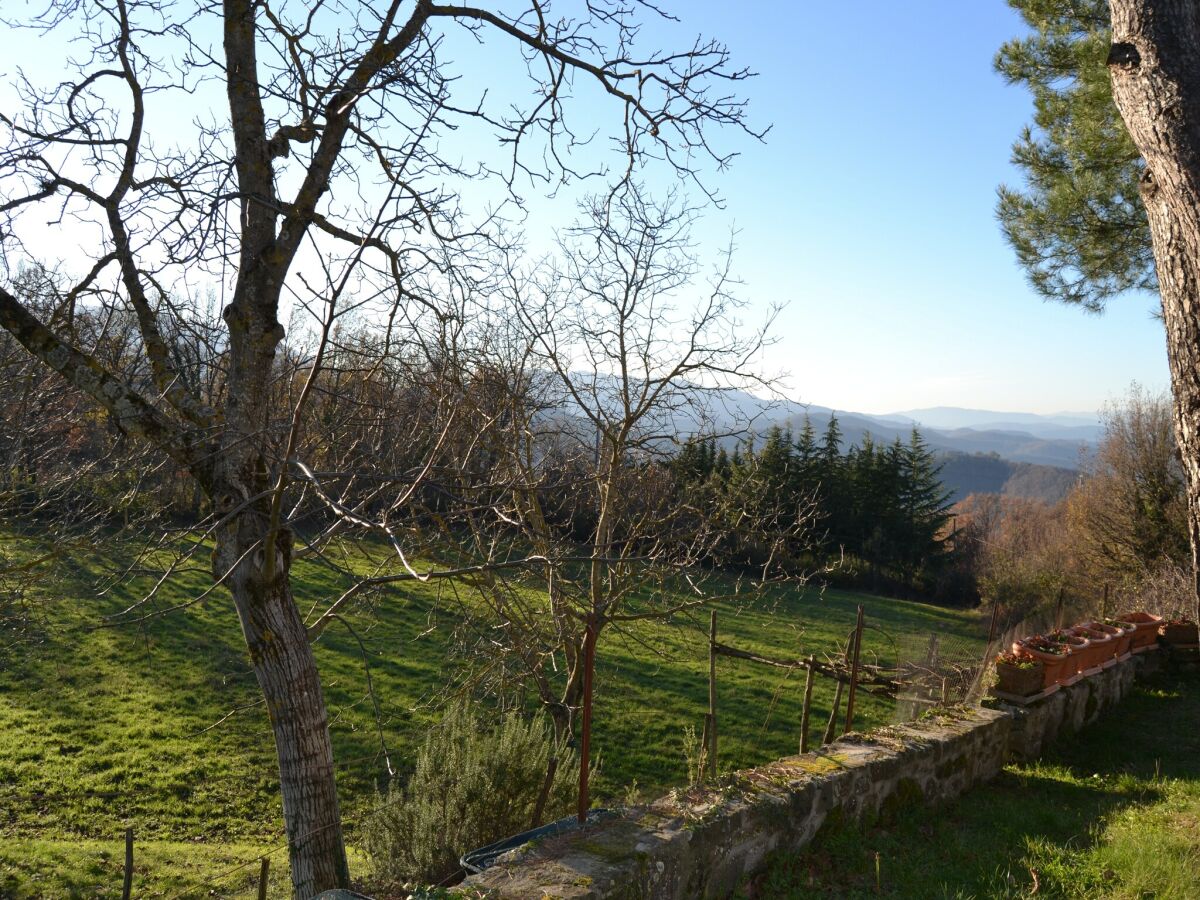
[475,782]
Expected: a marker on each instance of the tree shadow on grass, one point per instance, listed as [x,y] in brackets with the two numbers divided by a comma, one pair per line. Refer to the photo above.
[1017,834]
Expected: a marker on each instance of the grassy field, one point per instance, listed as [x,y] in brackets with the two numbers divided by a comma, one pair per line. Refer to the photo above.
[156,727]
[1113,813]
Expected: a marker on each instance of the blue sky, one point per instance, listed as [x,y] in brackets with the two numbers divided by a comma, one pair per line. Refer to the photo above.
[869,211]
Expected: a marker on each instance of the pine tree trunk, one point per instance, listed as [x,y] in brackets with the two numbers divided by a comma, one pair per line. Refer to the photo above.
[287,675]
[1154,63]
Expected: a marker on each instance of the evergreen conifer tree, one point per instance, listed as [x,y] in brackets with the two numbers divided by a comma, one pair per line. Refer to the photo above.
[1078,227]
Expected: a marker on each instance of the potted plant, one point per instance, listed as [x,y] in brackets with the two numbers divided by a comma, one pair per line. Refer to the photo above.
[1126,631]
[1053,656]
[1115,636]
[1019,673]
[1147,628]
[1077,651]
[1180,633]
[1100,645]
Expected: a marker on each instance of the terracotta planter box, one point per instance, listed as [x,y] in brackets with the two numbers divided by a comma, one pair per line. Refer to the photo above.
[1180,634]
[1100,645]
[1124,638]
[1116,637]
[1078,654]
[1020,681]
[1147,628]
[1056,668]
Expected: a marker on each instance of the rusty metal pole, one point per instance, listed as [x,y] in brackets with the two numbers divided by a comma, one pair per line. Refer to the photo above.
[712,694]
[858,630]
[808,689]
[585,744]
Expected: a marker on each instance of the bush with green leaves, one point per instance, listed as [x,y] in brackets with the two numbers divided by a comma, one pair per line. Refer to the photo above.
[475,782]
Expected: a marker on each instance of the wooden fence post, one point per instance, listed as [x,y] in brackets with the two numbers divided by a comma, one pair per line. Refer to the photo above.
[1058,610]
[127,887]
[858,632]
[262,878]
[712,694]
[808,689]
[992,625]
[833,714]
[585,744]
[831,728]
[1104,603]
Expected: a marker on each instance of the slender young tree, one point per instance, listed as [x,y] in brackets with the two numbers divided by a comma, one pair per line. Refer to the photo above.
[317,169]
[624,340]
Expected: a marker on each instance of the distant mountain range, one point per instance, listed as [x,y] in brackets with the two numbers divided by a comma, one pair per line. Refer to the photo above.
[1020,437]
[965,474]
[984,451]
[1064,426]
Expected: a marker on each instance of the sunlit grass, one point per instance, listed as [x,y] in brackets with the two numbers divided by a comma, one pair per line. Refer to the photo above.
[104,727]
[1112,813]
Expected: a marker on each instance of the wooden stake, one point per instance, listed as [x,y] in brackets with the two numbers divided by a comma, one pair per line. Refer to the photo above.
[808,688]
[833,714]
[831,728]
[1058,610]
[262,878]
[992,625]
[585,743]
[127,887]
[858,631]
[1104,603]
[931,652]
[712,694]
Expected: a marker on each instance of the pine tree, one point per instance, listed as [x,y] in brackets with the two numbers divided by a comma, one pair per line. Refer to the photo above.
[830,470]
[926,506]
[831,445]
[721,466]
[1078,227]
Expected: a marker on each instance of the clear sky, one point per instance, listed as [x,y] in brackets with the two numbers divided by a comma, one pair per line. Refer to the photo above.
[870,212]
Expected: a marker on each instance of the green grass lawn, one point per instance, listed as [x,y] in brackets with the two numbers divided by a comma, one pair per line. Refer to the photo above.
[101,728]
[1111,813]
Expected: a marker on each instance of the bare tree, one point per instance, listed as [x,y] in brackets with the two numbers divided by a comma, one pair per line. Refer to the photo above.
[319,181]
[623,347]
[1128,514]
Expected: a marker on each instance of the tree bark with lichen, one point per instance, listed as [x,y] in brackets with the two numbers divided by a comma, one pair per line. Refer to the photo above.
[1154,63]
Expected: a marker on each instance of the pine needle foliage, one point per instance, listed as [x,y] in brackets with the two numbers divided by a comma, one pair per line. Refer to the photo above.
[474,783]
[1077,226]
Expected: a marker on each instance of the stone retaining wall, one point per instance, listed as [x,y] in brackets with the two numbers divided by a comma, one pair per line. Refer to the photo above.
[701,844]
[1036,726]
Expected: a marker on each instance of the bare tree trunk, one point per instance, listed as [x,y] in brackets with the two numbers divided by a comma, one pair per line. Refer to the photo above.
[287,675]
[565,711]
[1154,63]
[256,552]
